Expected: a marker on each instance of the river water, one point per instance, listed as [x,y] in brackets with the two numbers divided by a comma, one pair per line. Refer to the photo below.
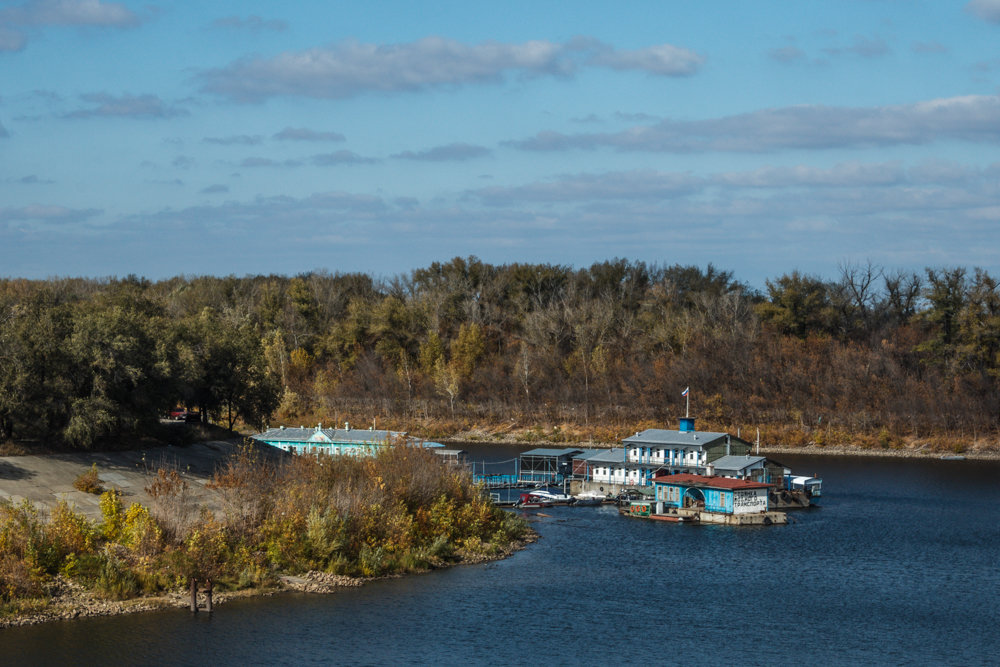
[899,565]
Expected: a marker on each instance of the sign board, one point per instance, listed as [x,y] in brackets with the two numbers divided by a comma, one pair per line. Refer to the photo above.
[747,501]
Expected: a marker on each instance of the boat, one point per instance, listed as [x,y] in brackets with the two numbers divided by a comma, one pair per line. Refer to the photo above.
[589,498]
[812,486]
[553,497]
[531,501]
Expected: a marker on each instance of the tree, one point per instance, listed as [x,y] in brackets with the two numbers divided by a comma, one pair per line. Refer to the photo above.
[798,305]
[945,298]
[223,369]
[119,386]
[979,326]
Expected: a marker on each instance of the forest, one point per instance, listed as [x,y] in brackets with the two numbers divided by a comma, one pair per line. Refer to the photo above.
[533,352]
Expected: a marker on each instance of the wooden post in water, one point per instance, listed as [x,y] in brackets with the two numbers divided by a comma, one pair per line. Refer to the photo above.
[194,595]
[208,596]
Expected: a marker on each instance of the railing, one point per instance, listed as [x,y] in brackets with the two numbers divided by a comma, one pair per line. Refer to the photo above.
[496,481]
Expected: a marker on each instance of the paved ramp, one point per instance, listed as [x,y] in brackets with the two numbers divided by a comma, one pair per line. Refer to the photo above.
[45,480]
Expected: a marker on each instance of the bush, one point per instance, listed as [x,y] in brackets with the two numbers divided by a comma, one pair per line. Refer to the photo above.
[69,532]
[115,580]
[89,482]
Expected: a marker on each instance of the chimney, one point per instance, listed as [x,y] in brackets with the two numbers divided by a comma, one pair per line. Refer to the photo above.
[347,426]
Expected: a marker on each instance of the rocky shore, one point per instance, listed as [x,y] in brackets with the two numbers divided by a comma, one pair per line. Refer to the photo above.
[68,600]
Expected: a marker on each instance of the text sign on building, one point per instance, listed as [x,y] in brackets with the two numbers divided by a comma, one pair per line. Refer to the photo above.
[746,501]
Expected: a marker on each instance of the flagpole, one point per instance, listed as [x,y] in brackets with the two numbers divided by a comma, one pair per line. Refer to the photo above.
[687,408]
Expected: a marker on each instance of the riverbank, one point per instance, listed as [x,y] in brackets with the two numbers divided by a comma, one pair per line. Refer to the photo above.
[68,600]
[232,514]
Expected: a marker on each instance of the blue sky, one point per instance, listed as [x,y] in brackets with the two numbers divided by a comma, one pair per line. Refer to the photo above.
[255,137]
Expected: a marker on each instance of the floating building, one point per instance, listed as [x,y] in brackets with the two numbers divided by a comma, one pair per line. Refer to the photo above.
[703,499]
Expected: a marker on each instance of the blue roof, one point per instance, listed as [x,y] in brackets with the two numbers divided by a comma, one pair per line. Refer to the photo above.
[330,436]
[542,451]
[585,454]
[660,436]
[608,456]
[736,462]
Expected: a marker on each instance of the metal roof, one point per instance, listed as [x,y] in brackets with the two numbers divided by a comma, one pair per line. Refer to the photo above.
[736,462]
[326,436]
[608,456]
[542,451]
[587,454]
[687,479]
[660,436]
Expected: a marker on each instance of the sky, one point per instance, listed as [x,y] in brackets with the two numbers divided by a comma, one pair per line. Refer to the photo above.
[217,138]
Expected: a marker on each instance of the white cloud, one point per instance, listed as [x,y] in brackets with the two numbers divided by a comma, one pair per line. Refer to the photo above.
[865,47]
[70,12]
[304,134]
[351,68]
[631,185]
[235,140]
[340,157]
[664,60]
[125,106]
[787,54]
[852,174]
[30,179]
[11,40]
[988,10]
[42,13]
[44,213]
[448,153]
[971,118]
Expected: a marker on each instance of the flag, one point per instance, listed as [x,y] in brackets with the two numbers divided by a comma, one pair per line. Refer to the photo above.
[686,390]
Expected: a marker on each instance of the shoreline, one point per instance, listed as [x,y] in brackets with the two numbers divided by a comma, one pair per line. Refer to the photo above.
[72,601]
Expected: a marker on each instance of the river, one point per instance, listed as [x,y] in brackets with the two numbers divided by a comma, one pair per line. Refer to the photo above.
[899,565]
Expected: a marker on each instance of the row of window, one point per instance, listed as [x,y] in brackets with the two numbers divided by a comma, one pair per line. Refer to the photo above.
[663,455]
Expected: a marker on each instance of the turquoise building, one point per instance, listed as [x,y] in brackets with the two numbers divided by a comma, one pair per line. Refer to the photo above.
[723,495]
[336,441]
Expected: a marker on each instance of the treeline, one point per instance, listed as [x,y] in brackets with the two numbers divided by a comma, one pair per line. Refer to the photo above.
[872,356]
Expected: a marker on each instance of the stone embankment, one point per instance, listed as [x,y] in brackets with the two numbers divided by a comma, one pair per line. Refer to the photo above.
[69,600]
[319,582]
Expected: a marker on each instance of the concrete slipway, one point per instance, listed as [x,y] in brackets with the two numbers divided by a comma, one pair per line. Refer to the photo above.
[45,480]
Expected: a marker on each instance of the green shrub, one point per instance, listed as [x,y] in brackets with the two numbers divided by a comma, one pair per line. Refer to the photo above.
[115,580]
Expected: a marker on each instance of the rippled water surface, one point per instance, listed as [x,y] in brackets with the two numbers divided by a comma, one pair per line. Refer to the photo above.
[898,566]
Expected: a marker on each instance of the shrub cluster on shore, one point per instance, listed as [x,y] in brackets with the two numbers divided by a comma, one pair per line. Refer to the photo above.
[400,511]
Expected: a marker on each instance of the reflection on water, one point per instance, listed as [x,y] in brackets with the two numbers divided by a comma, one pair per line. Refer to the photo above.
[897,566]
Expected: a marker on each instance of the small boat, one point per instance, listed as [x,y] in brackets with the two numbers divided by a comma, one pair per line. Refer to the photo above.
[531,500]
[553,497]
[644,509]
[812,486]
[590,498]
